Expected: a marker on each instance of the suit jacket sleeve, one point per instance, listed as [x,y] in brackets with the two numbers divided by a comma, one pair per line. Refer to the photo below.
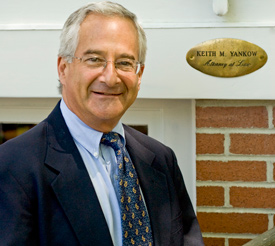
[192,233]
[16,208]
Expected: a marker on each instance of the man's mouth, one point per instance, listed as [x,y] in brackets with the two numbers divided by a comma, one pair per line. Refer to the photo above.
[107,94]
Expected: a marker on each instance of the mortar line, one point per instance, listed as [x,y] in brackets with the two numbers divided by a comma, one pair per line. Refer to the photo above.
[270,116]
[269,171]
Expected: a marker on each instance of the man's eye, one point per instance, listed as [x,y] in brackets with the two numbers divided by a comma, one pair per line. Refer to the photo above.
[94,60]
[125,63]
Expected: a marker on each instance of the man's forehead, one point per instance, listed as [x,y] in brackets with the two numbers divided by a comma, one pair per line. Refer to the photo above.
[95,21]
[106,27]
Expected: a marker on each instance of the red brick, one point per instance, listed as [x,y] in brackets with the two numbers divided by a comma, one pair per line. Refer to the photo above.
[210,196]
[254,171]
[237,242]
[209,143]
[211,241]
[233,117]
[252,197]
[252,144]
[233,222]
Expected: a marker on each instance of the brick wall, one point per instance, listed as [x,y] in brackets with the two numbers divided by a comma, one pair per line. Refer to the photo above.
[235,169]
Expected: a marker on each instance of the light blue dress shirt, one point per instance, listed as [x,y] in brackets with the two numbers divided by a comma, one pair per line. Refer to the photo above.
[99,160]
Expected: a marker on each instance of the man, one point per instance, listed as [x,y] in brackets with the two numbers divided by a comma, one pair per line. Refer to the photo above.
[61,182]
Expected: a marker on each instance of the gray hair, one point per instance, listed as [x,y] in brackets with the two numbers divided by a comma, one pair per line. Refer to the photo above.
[69,36]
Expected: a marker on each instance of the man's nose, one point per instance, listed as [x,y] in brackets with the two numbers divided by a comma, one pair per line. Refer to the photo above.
[110,74]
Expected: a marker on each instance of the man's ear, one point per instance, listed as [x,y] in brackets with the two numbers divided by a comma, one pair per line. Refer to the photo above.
[61,68]
[140,73]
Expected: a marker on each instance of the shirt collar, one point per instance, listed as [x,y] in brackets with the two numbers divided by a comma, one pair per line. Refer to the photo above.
[83,134]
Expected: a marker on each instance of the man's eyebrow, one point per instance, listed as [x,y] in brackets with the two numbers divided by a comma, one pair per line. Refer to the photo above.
[89,52]
[125,55]
[102,53]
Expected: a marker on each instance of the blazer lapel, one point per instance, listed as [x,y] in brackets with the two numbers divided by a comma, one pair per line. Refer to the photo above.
[73,187]
[154,188]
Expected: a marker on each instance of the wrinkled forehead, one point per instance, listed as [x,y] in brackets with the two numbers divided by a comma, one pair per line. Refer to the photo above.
[100,29]
[110,18]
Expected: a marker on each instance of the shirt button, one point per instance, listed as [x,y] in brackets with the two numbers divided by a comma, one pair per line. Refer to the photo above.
[116,177]
[96,154]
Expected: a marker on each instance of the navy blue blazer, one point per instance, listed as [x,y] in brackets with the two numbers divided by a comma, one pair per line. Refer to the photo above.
[47,197]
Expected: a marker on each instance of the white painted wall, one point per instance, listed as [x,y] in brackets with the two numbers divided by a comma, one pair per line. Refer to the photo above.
[256,12]
[29,33]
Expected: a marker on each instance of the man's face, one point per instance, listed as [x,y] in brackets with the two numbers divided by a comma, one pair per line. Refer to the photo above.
[99,97]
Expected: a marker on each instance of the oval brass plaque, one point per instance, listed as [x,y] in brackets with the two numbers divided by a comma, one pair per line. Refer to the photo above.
[226,57]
